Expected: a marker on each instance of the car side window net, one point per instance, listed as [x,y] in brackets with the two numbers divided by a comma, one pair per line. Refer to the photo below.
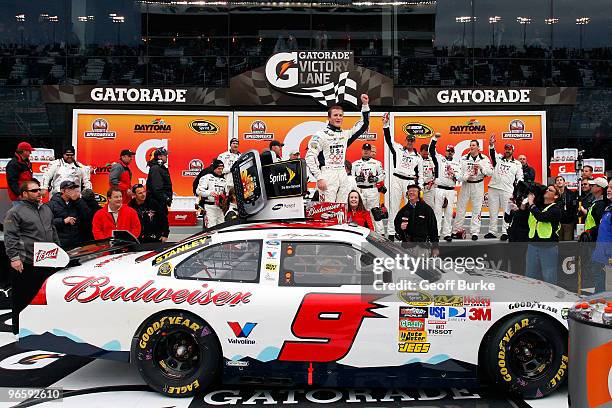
[323,264]
[236,261]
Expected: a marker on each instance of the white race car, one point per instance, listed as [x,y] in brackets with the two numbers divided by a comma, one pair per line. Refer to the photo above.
[299,303]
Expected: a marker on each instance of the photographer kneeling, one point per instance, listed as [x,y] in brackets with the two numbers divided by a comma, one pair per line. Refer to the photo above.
[544,224]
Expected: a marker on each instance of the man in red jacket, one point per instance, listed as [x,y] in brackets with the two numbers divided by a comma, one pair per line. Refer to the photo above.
[115,216]
[120,175]
[18,170]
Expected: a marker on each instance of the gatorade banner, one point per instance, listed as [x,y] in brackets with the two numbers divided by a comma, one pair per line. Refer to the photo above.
[255,130]
[526,130]
[193,139]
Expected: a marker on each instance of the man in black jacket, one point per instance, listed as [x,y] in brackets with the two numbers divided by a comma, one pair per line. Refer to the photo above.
[528,171]
[69,213]
[27,222]
[416,221]
[568,203]
[153,219]
[159,185]
[18,170]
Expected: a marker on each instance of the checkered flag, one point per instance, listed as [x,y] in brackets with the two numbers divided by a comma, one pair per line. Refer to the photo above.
[331,94]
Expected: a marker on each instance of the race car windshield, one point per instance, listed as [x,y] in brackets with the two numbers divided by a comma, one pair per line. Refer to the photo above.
[430,274]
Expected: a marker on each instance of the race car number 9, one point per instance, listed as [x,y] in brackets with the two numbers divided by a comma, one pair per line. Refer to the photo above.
[329,324]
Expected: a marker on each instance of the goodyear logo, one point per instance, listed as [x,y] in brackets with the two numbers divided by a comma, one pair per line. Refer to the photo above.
[204,127]
[176,251]
[418,130]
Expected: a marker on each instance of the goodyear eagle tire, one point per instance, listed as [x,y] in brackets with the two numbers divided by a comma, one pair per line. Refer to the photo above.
[177,353]
[527,356]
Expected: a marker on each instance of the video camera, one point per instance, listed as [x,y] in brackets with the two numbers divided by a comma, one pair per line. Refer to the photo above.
[522,190]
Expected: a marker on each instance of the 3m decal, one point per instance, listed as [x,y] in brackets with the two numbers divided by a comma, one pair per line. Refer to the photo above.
[329,323]
[480,313]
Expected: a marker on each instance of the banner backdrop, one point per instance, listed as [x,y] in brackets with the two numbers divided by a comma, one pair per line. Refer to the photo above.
[193,140]
[255,130]
[525,130]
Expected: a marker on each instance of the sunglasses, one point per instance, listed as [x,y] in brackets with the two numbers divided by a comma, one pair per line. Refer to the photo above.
[33,190]
[551,190]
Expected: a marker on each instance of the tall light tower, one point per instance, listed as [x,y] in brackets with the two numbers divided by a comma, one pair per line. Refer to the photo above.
[524,21]
[464,20]
[117,19]
[581,22]
[493,21]
[551,22]
[21,18]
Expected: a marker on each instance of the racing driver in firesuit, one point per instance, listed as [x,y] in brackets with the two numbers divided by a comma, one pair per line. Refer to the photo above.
[331,143]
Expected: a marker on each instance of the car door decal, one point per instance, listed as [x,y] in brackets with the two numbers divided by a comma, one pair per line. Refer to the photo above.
[329,323]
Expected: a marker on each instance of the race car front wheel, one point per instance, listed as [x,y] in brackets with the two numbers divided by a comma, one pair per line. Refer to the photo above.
[177,353]
[527,355]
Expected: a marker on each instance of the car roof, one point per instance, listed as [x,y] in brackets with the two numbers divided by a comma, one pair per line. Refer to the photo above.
[306,224]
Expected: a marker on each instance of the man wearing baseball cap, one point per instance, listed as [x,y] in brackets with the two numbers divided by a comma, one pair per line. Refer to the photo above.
[368,172]
[276,148]
[593,218]
[120,175]
[229,158]
[416,221]
[69,214]
[407,170]
[159,184]
[66,168]
[506,173]
[447,174]
[18,170]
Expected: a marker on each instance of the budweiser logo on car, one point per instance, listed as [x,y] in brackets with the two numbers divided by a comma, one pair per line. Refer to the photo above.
[180,217]
[320,208]
[40,255]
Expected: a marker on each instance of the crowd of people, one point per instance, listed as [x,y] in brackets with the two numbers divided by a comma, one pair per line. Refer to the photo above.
[423,200]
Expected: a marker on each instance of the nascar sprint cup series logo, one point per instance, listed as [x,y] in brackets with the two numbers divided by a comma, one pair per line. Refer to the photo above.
[322,75]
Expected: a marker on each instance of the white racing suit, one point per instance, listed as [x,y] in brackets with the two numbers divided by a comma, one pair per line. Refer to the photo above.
[506,174]
[428,176]
[367,173]
[332,143]
[407,169]
[447,174]
[210,188]
[58,171]
[228,158]
[472,189]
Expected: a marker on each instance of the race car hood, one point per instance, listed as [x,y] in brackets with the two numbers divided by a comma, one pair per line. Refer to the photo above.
[505,286]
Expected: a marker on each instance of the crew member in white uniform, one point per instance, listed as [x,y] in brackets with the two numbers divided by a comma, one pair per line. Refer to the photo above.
[474,168]
[229,158]
[429,178]
[407,170]
[332,143]
[65,169]
[212,188]
[447,172]
[368,172]
[507,171]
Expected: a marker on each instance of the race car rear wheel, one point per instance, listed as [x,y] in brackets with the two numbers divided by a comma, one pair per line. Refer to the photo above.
[527,355]
[177,353]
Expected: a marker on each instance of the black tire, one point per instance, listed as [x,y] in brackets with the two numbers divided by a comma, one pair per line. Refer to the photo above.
[177,353]
[527,356]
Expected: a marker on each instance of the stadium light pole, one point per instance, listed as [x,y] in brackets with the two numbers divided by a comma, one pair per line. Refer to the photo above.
[118,20]
[581,22]
[493,21]
[53,20]
[463,20]
[524,21]
[551,22]
[21,18]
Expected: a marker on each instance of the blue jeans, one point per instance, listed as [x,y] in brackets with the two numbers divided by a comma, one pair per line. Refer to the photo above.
[599,276]
[542,262]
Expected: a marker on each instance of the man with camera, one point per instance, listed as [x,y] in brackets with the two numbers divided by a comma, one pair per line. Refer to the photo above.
[544,223]
[368,172]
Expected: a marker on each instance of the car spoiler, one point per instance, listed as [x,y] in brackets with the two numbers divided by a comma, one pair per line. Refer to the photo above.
[49,254]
